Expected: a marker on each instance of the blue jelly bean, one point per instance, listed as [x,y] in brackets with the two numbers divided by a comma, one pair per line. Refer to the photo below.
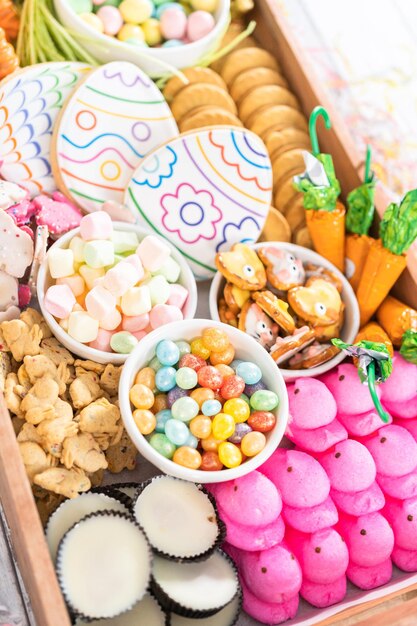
[174,394]
[235,363]
[167,352]
[168,5]
[185,409]
[161,419]
[184,347]
[241,430]
[186,378]
[250,372]
[211,407]
[165,378]
[177,432]
[250,389]
[192,442]
[172,43]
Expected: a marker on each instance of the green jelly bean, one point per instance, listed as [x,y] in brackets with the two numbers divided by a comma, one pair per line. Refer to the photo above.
[163,445]
[155,364]
[81,6]
[264,400]
[123,342]
[245,397]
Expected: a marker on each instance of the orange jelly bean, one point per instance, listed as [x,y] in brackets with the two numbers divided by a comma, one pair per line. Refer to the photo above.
[210,462]
[141,397]
[210,444]
[160,403]
[225,370]
[253,443]
[202,394]
[215,339]
[224,357]
[187,457]
[146,376]
[200,427]
[145,421]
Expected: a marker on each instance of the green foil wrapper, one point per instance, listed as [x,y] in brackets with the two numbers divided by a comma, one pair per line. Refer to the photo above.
[361,208]
[319,196]
[366,352]
[409,346]
[398,228]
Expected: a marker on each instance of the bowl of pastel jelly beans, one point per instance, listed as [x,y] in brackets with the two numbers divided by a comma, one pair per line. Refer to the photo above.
[203,401]
[149,33]
[105,285]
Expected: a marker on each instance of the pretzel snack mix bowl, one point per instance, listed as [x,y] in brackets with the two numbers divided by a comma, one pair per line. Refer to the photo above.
[246,349]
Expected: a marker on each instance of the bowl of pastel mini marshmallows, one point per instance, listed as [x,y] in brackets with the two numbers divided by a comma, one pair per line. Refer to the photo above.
[154,35]
[105,285]
[203,401]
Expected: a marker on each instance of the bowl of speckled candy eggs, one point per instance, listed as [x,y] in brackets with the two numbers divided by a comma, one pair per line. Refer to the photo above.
[203,401]
[105,285]
[153,35]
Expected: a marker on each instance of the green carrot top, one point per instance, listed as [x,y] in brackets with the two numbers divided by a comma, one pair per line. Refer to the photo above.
[318,183]
[398,228]
[409,346]
[361,208]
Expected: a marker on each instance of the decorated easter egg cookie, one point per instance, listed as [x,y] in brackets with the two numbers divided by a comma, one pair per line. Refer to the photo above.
[116,116]
[30,102]
[204,191]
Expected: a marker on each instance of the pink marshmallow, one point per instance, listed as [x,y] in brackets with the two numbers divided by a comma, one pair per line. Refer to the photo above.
[153,252]
[177,295]
[300,479]
[359,502]
[164,314]
[140,334]
[405,559]
[134,260]
[135,322]
[361,425]
[394,450]
[352,397]
[369,538]
[402,515]
[268,612]
[311,519]
[408,424]
[401,386]
[311,405]
[112,320]
[273,575]
[234,553]
[120,278]
[349,466]
[322,595]
[370,577]
[405,410]
[319,439]
[97,225]
[59,301]
[99,302]
[75,283]
[401,487]
[323,555]
[102,341]
[251,500]
[253,538]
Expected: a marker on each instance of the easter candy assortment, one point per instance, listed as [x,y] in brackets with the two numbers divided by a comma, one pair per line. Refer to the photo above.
[199,406]
[110,289]
[292,308]
[147,23]
[144,552]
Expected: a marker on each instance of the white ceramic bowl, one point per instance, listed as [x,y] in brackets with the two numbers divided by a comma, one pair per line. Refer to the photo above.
[45,280]
[153,61]
[352,319]
[247,349]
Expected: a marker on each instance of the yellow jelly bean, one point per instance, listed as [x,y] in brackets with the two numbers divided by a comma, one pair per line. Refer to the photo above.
[238,409]
[187,457]
[215,339]
[130,31]
[92,20]
[146,376]
[204,5]
[229,454]
[136,11]
[152,31]
[141,397]
[145,421]
[253,443]
[199,349]
[225,370]
[202,394]
[200,427]
[223,426]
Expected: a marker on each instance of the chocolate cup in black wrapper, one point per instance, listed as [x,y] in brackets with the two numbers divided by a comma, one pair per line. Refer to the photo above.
[135,616]
[143,556]
[175,554]
[114,492]
[227,616]
[190,607]
[128,489]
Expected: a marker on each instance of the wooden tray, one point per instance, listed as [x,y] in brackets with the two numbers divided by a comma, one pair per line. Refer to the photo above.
[26,530]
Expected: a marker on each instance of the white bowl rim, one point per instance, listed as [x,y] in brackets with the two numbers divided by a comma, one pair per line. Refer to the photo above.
[318,260]
[191,328]
[162,53]
[82,350]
